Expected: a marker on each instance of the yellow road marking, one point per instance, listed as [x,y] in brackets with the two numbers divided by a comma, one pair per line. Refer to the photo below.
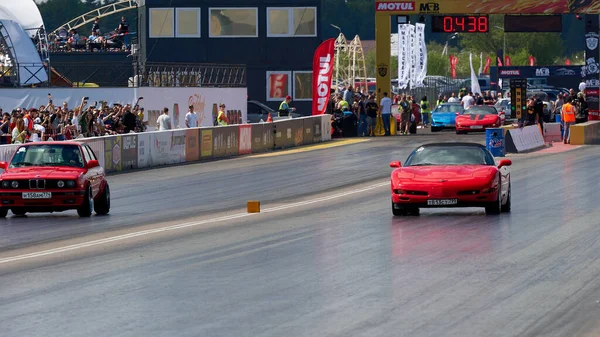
[307,148]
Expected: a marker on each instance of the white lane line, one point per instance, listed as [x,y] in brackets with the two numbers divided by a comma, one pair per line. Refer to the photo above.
[181,226]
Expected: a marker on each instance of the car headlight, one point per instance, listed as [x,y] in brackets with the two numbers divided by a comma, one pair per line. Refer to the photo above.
[5,184]
[60,184]
[15,184]
[488,190]
[71,183]
[399,192]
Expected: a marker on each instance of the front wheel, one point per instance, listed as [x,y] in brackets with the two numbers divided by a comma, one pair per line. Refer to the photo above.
[102,205]
[506,207]
[85,210]
[435,129]
[398,210]
[3,212]
[495,207]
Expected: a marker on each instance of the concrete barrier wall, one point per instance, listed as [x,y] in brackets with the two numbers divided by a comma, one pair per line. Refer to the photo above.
[158,148]
[585,133]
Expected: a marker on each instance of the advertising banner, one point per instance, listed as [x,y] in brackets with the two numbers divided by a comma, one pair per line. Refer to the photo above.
[177,151]
[143,148]
[317,129]
[112,154]
[413,54]
[421,48]
[298,132]
[192,145]
[245,137]
[487,7]
[97,145]
[403,56]
[225,141]
[268,136]
[284,134]
[204,100]
[322,72]
[129,152]
[591,69]
[206,143]
[257,138]
[278,85]
[326,128]
[160,147]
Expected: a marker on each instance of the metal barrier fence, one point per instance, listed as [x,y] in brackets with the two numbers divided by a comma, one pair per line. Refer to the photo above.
[191,75]
[433,86]
[150,149]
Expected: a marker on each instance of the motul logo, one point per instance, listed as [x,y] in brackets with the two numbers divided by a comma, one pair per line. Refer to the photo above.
[510,72]
[323,81]
[395,6]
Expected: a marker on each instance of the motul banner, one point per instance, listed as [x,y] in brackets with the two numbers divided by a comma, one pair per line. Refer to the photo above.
[591,69]
[322,71]
[507,61]
[488,62]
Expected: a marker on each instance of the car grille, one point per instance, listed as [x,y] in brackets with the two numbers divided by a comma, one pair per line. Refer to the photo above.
[37,184]
[34,184]
[416,193]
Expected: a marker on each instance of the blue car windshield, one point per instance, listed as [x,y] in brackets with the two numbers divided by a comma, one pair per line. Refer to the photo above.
[449,108]
[449,155]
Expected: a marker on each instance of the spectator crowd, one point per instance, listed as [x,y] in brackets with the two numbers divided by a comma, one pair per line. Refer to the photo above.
[71,40]
[50,122]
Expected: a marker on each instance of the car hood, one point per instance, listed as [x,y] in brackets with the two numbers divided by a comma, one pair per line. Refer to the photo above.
[42,172]
[444,115]
[446,173]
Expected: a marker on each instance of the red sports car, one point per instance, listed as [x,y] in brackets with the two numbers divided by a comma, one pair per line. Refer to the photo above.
[450,175]
[53,177]
[478,118]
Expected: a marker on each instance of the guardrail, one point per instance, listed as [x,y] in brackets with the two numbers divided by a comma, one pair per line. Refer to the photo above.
[157,148]
[587,133]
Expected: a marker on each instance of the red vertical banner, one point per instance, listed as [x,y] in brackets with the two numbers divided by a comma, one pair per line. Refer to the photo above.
[531,60]
[322,72]
[568,62]
[278,86]
[453,63]
[507,61]
[488,62]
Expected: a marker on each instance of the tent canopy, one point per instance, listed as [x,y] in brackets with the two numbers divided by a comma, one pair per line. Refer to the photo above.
[24,12]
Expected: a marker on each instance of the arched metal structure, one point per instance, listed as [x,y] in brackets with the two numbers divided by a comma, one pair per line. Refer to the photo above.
[84,19]
[341,62]
[358,67]
[350,64]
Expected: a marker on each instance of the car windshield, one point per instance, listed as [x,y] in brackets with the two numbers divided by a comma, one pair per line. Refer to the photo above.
[449,155]
[47,155]
[449,108]
[481,110]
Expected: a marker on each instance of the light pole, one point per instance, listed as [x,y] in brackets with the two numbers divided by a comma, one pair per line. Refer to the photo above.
[504,37]
[336,27]
[451,37]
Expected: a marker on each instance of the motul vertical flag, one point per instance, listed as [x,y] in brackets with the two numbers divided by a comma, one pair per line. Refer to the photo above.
[488,62]
[568,62]
[507,61]
[322,71]
[453,63]
[531,60]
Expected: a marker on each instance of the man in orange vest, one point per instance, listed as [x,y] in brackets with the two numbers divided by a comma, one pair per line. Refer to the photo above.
[568,118]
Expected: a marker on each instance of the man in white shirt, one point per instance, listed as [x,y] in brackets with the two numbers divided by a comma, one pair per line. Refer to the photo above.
[453,99]
[582,86]
[164,121]
[468,101]
[385,107]
[191,118]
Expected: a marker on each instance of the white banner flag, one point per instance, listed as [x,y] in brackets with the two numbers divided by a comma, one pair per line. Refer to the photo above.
[480,63]
[414,56]
[474,80]
[422,55]
[403,55]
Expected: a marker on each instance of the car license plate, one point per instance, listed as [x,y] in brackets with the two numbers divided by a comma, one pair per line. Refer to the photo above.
[442,202]
[476,126]
[37,195]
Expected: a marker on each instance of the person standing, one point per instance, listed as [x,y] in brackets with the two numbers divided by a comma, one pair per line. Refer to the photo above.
[468,101]
[568,118]
[453,99]
[222,119]
[372,109]
[163,122]
[191,118]
[284,107]
[385,107]
[425,111]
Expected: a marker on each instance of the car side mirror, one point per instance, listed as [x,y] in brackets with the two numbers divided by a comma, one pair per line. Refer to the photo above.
[504,162]
[3,165]
[92,164]
[395,164]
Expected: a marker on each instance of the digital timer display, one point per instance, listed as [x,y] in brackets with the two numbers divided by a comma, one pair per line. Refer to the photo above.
[460,24]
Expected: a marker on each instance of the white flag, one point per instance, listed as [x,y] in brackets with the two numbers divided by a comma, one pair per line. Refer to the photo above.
[480,63]
[403,56]
[414,56]
[422,55]
[474,80]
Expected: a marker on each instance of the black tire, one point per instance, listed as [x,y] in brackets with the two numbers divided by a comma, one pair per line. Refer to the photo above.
[85,210]
[495,208]
[435,129]
[18,212]
[506,207]
[414,211]
[3,212]
[399,211]
[102,205]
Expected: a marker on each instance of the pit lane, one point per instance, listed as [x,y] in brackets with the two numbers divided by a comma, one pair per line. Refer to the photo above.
[343,266]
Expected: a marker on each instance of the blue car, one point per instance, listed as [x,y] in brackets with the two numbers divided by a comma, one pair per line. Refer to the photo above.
[444,116]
